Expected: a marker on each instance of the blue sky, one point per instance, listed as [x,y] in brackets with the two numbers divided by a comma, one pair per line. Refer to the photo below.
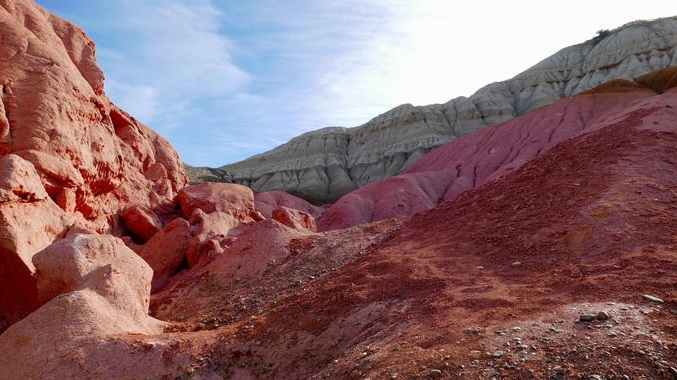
[224,80]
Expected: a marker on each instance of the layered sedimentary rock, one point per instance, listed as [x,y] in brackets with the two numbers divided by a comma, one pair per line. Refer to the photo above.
[323,165]
[476,159]
[590,218]
[582,195]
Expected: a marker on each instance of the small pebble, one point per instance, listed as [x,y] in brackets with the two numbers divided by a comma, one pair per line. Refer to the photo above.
[586,317]
[602,316]
[517,264]
[435,373]
[498,354]
[653,298]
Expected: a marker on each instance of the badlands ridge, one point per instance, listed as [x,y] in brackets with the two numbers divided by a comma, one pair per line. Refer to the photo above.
[323,165]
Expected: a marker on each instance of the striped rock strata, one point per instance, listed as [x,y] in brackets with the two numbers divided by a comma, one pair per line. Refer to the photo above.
[323,165]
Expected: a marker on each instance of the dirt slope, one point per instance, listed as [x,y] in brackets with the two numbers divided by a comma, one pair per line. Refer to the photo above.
[488,285]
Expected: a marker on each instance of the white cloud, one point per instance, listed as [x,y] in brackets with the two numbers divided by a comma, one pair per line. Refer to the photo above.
[172,57]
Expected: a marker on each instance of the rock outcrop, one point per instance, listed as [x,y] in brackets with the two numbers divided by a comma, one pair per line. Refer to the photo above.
[71,160]
[29,221]
[92,158]
[323,165]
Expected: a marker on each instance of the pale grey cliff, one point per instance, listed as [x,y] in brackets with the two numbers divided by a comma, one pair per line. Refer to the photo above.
[323,165]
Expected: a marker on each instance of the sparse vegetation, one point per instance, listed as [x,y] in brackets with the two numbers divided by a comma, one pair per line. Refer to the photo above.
[603,33]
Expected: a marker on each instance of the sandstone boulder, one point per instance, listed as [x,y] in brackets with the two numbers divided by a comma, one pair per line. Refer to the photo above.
[211,233]
[295,219]
[94,287]
[19,181]
[166,250]
[142,222]
[236,200]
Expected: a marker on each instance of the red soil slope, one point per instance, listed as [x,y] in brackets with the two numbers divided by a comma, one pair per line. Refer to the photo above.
[488,285]
[470,161]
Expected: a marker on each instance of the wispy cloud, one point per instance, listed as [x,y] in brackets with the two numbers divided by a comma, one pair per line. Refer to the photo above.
[174,50]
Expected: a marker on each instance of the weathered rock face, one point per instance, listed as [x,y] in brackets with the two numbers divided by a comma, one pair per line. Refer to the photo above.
[29,222]
[70,159]
[320,156]
[92,157]
[323,165]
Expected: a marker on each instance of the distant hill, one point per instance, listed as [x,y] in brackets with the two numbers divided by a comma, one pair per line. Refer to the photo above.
[321,166]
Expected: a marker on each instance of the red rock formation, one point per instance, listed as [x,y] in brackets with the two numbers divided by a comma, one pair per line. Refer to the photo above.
[93,288]
[142,222]
[592,222]
[212,232]
[236,200]
[581,194]
[294,218]
[166,251]
[57,117]
[29,222]
[72,156]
